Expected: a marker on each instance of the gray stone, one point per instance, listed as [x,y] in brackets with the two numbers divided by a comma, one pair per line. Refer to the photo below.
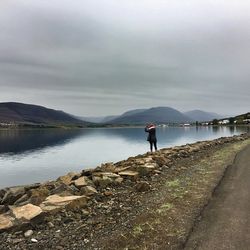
[64,190]
[28,233]
[3,209]
[12,194]
[22,200]
[88,190]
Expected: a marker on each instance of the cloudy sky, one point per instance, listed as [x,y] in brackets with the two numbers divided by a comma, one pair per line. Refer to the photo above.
[103,57]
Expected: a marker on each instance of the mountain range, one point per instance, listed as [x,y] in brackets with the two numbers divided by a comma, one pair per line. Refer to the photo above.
[157,115]
[20,113]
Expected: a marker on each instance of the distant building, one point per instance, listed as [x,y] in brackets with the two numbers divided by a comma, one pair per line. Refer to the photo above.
[226,121]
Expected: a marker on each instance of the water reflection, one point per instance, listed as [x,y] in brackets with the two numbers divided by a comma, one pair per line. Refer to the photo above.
[28,156]
[20,141]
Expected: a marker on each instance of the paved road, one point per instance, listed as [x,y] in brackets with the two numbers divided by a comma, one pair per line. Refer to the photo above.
[225,222]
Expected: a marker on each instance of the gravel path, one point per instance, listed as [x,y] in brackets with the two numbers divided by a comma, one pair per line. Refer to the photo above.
[225,223]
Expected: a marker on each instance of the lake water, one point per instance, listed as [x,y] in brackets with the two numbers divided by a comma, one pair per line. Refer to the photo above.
[28,156]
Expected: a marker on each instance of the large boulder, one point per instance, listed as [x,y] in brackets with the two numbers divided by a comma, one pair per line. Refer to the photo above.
[26,212]
[81,182]
[129,174]
[56,202]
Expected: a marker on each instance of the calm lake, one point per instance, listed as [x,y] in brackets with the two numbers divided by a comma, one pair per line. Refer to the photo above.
[28,156]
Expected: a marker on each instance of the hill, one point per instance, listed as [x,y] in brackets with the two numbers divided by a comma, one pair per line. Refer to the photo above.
[157,115]
[20,113]
[97,119]
[199,115]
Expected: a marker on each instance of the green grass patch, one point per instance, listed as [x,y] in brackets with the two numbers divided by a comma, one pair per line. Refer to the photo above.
[173,184]
[164,208]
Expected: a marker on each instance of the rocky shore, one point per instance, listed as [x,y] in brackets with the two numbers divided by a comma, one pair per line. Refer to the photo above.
[82,210]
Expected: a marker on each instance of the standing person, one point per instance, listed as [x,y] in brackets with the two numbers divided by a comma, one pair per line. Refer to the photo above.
[151,130]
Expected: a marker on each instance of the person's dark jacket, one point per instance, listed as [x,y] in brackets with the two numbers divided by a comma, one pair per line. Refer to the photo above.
[151,134]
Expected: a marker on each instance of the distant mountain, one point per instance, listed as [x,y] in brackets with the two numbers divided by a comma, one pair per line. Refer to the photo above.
[107,119]
[21,113]
[199,115]
[133,112]
[157,115]
[97,119]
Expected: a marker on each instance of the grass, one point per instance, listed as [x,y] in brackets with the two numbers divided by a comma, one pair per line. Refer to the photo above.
[164,208]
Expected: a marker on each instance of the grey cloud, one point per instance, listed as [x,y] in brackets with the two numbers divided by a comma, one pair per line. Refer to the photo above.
[105,57]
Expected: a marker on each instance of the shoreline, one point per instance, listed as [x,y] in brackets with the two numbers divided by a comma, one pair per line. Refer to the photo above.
[103,165]
[116,188]
[121,126]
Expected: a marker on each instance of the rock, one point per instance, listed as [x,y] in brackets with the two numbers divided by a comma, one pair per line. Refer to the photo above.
[56,202]
[88,191]
[109,175]
[6,222]
[145,169]
[37,196]
[28,233]
[102,182]
[3,209]
[118,180]
[12,194]
[22,200]
[80,182]
[26,212]
[85,212]
[142,186]
[66,179]
[129,174]
[32,186]
[109,166]
[51,225]
[16,241]
[87,172]
[161,160]
[64,190]
[108,193]
[120,169]
[2,193]
[34,240]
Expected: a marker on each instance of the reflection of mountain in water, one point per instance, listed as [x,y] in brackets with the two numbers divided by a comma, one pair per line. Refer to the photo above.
[19,141]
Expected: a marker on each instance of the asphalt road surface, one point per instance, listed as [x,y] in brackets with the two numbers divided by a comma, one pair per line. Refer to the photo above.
[225,222]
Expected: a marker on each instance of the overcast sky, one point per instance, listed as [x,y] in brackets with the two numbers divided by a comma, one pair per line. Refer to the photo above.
[102,57]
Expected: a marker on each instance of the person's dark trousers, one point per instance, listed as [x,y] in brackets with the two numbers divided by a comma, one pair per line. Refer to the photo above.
[151,146]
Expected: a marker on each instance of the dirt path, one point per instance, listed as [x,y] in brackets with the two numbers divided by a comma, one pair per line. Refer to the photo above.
[225,223]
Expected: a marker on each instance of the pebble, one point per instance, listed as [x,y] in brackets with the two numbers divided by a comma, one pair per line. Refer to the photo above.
[51,225]
[28,233]
[34,240]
